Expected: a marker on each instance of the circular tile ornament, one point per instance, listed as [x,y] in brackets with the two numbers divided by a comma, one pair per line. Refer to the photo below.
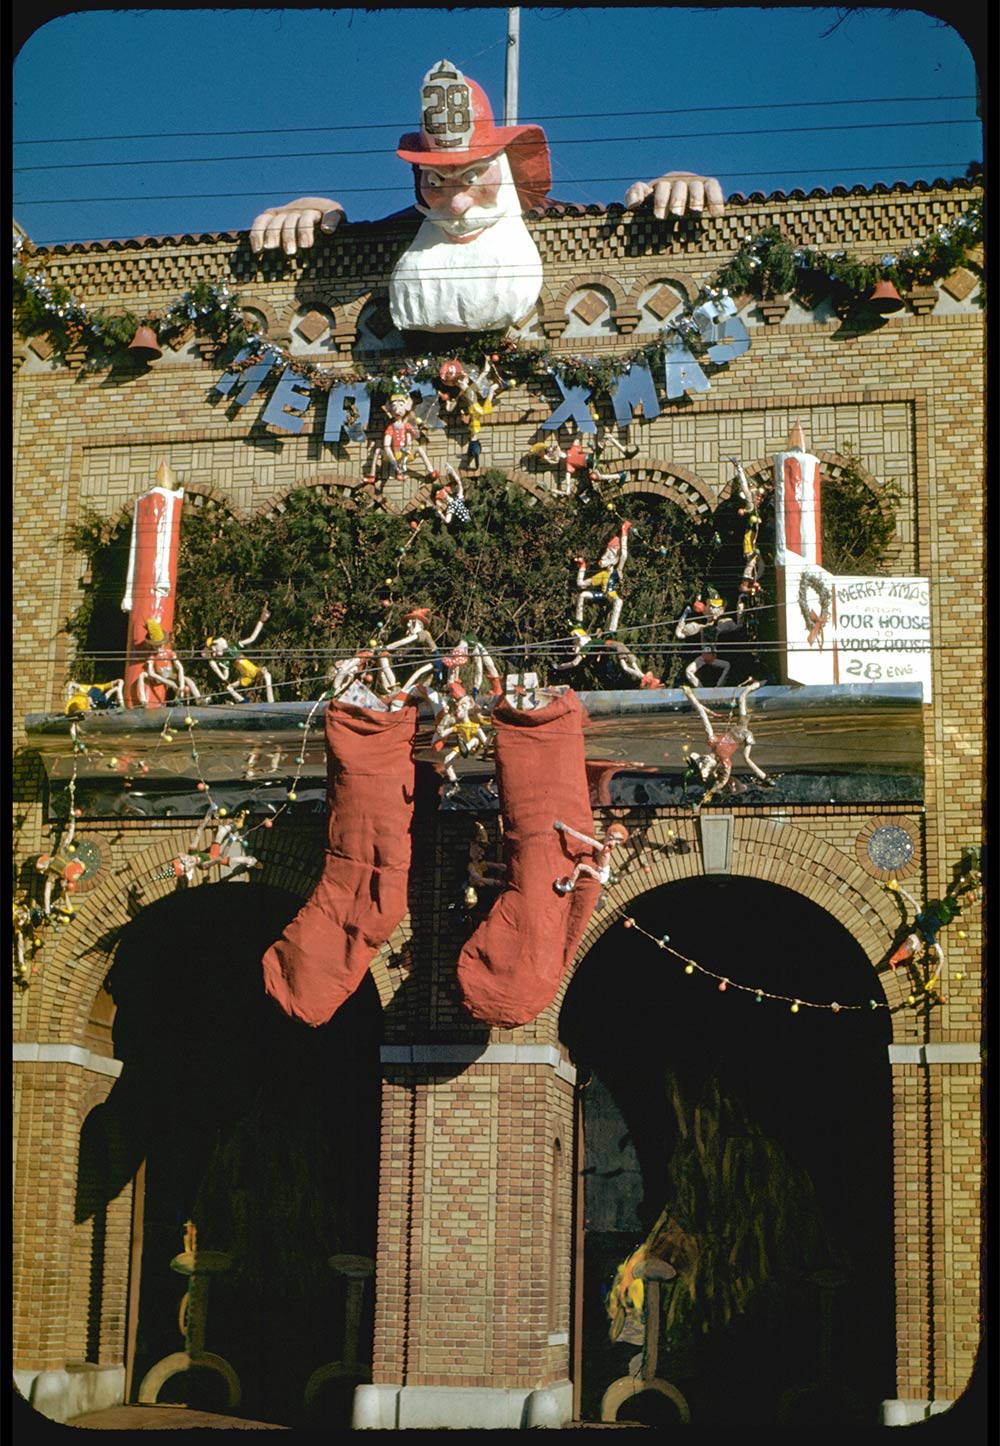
[93,852]
[887,848]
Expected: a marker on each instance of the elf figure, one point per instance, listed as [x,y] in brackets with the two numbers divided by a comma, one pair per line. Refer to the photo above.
[708,659]
[82,697]
[600,867]
[59,870]
[401,441]
[753,561]
[361,667]
[482,873]
[607,440]
[470,651]
[26,921]
[465,722]
[163,668]
[602,586]
[570,462]
[472,398]
[221,655]
[185,866]
[716,769]
[607,649]
[449,499]
[234,856]
[416,633]
[708,613]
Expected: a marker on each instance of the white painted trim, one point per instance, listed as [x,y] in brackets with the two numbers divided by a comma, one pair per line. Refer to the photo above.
[498,1408]
[962,1053]
[479,1054]
[902,1412]
[69,1391]
[66,1054]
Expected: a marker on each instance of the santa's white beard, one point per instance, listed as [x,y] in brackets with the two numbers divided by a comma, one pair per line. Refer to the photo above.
[442,285]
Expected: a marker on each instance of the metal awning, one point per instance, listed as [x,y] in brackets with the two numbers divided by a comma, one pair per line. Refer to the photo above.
[853,743]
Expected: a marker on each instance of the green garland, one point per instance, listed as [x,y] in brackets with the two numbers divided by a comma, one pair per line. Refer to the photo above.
[765,266]
[50,310]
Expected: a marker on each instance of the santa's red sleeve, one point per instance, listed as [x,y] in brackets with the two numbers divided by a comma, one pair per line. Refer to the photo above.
[512,966]
[361,896]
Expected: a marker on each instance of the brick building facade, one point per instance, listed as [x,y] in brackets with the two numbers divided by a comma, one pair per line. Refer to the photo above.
[479,1230]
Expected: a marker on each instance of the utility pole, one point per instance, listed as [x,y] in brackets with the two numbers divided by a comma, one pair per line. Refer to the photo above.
[510,82]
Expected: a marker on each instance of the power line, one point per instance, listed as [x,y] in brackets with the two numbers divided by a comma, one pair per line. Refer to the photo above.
[405,190]
[578,141]
[237,195]
[401,125]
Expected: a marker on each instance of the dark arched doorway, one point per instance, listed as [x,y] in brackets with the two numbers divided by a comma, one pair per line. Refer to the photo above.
[260,1130]
[765,1132]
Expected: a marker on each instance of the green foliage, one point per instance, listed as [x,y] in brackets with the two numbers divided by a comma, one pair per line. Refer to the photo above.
[41,308]
[269,1196]
[337,577]
[764,266]
[98,623]
[767,265]
[327,571]
[741,1223]
[859,522]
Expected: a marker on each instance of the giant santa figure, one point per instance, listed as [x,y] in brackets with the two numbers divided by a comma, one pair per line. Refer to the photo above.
[473,265]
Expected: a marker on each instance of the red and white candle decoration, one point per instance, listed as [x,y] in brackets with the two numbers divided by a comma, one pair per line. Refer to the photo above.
[797,511]
[152,577]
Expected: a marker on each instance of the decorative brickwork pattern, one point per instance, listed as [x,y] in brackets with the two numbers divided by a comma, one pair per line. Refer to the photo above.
[475,1230]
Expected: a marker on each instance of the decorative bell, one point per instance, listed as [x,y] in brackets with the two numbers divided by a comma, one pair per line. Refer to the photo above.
[885,299]
[145,347]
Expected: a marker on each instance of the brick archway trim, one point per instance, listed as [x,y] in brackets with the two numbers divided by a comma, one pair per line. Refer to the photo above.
[782,854]
[685,489]
[73,969]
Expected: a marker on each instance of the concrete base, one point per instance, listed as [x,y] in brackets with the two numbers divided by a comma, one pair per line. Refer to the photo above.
[400,1408]
[906,1413]
[62,1394]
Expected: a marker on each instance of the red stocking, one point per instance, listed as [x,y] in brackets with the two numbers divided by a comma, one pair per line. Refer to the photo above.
[322,956]
[512,966]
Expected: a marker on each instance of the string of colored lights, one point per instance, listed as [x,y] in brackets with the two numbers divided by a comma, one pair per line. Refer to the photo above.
[724,983]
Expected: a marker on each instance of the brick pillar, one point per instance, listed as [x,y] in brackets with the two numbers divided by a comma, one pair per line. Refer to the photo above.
[475,1238]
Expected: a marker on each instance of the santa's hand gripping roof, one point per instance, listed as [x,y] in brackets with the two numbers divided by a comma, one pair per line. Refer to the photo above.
[472,265]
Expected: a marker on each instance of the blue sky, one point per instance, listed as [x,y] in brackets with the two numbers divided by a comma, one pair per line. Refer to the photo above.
[222,112]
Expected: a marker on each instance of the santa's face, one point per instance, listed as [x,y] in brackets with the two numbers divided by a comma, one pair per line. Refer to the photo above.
[462,204]
[473,265]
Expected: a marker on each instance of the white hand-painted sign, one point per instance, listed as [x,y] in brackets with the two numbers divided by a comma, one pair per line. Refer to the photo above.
[856,629]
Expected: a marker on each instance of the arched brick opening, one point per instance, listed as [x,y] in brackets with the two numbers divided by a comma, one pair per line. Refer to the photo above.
[651,478]
[114,1126]
[262,1131]
[802,1099]
[777,852]
[593,280]
[72,971]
